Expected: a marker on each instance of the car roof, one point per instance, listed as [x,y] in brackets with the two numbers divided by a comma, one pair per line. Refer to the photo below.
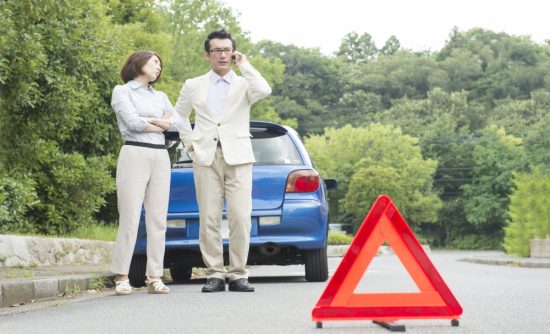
[174,135]
[269,126]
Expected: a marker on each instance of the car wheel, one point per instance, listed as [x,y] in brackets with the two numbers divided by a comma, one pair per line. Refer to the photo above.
[180,273]
[316,264]
[137,270]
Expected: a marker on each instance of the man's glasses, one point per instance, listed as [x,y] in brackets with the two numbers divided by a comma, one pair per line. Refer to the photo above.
[219,51]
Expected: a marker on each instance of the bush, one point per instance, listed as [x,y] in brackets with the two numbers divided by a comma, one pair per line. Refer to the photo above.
[17,196]
[57,70]
[528,212]
[477,241]
[339,238]
[72,192]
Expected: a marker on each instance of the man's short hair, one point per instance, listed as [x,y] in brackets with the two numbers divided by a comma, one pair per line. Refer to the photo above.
[219,34]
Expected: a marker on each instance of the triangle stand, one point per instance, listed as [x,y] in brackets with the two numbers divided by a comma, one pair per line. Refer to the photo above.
[382,224]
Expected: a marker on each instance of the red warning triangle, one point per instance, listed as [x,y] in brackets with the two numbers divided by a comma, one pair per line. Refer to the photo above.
[385,223]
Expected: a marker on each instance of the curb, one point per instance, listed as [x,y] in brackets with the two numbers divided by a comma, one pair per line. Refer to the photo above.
[20,292]
[513,263]
[336,250]
[340,250]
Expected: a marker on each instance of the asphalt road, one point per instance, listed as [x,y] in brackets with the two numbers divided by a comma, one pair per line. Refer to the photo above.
[495,299]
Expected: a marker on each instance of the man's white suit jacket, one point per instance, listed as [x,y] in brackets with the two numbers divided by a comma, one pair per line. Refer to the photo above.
[232,129]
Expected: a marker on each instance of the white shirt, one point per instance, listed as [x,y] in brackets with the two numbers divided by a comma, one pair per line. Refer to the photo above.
[217,92]
[132,102]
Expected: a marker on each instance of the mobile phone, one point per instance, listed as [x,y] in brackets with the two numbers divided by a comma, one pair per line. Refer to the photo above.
[234,57]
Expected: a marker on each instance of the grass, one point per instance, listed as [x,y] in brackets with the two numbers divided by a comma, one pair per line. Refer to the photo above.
[339,238]
[73,290]
[18,274]
[95,232]
[99,283]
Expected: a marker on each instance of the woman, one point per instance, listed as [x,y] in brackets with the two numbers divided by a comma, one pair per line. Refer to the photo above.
[143,169]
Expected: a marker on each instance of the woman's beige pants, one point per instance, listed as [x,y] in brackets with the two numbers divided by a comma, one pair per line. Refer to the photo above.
[142,177]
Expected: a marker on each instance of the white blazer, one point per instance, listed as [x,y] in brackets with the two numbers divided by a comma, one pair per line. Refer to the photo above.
[233,129]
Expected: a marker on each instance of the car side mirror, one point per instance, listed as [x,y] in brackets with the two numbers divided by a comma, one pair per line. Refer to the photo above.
[331,184]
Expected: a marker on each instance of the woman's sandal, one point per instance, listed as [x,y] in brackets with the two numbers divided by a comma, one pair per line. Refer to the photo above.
[156,286]
[123,287]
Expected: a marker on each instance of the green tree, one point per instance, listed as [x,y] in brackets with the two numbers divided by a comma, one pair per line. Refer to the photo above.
[393,165]
[462,69]
[496,157]
[538,142]
[444,123]
[519,117]
[376,160]
[357,107]
[512,66]
[528,212]
[310,80]
[358,49]
[56,74]
[403,74]
[17,196]
[391,46]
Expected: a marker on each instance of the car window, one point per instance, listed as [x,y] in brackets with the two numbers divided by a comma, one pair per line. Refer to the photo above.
[273,147]
[269,146]
[177,154]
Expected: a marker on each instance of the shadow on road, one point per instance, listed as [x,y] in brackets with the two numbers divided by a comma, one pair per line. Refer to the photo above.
[256,280]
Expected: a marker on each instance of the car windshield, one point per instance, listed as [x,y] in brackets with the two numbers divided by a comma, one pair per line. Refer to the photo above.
[271,147]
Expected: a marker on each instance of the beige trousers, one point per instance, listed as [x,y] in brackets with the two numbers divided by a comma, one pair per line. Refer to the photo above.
[213,184]
[142,177]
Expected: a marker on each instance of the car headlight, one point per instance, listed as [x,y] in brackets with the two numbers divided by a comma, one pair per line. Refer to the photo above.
[270,220]
[176,223]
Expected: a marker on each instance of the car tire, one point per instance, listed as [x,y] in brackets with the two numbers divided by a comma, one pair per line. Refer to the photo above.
[180,273]
[137,270]
[316,264]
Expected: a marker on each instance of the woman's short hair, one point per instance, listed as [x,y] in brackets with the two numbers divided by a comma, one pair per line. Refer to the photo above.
[132,68]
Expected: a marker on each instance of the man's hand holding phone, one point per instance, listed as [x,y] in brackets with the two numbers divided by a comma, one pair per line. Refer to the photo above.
[238,58]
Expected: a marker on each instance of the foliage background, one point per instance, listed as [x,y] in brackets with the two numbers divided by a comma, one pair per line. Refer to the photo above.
[458,137]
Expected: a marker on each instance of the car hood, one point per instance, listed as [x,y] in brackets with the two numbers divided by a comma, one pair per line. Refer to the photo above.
[268,188]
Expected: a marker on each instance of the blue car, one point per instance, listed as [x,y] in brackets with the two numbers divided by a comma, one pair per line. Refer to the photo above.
[289,209]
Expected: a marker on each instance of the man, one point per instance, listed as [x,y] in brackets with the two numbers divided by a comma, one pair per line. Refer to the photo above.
[222,156]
